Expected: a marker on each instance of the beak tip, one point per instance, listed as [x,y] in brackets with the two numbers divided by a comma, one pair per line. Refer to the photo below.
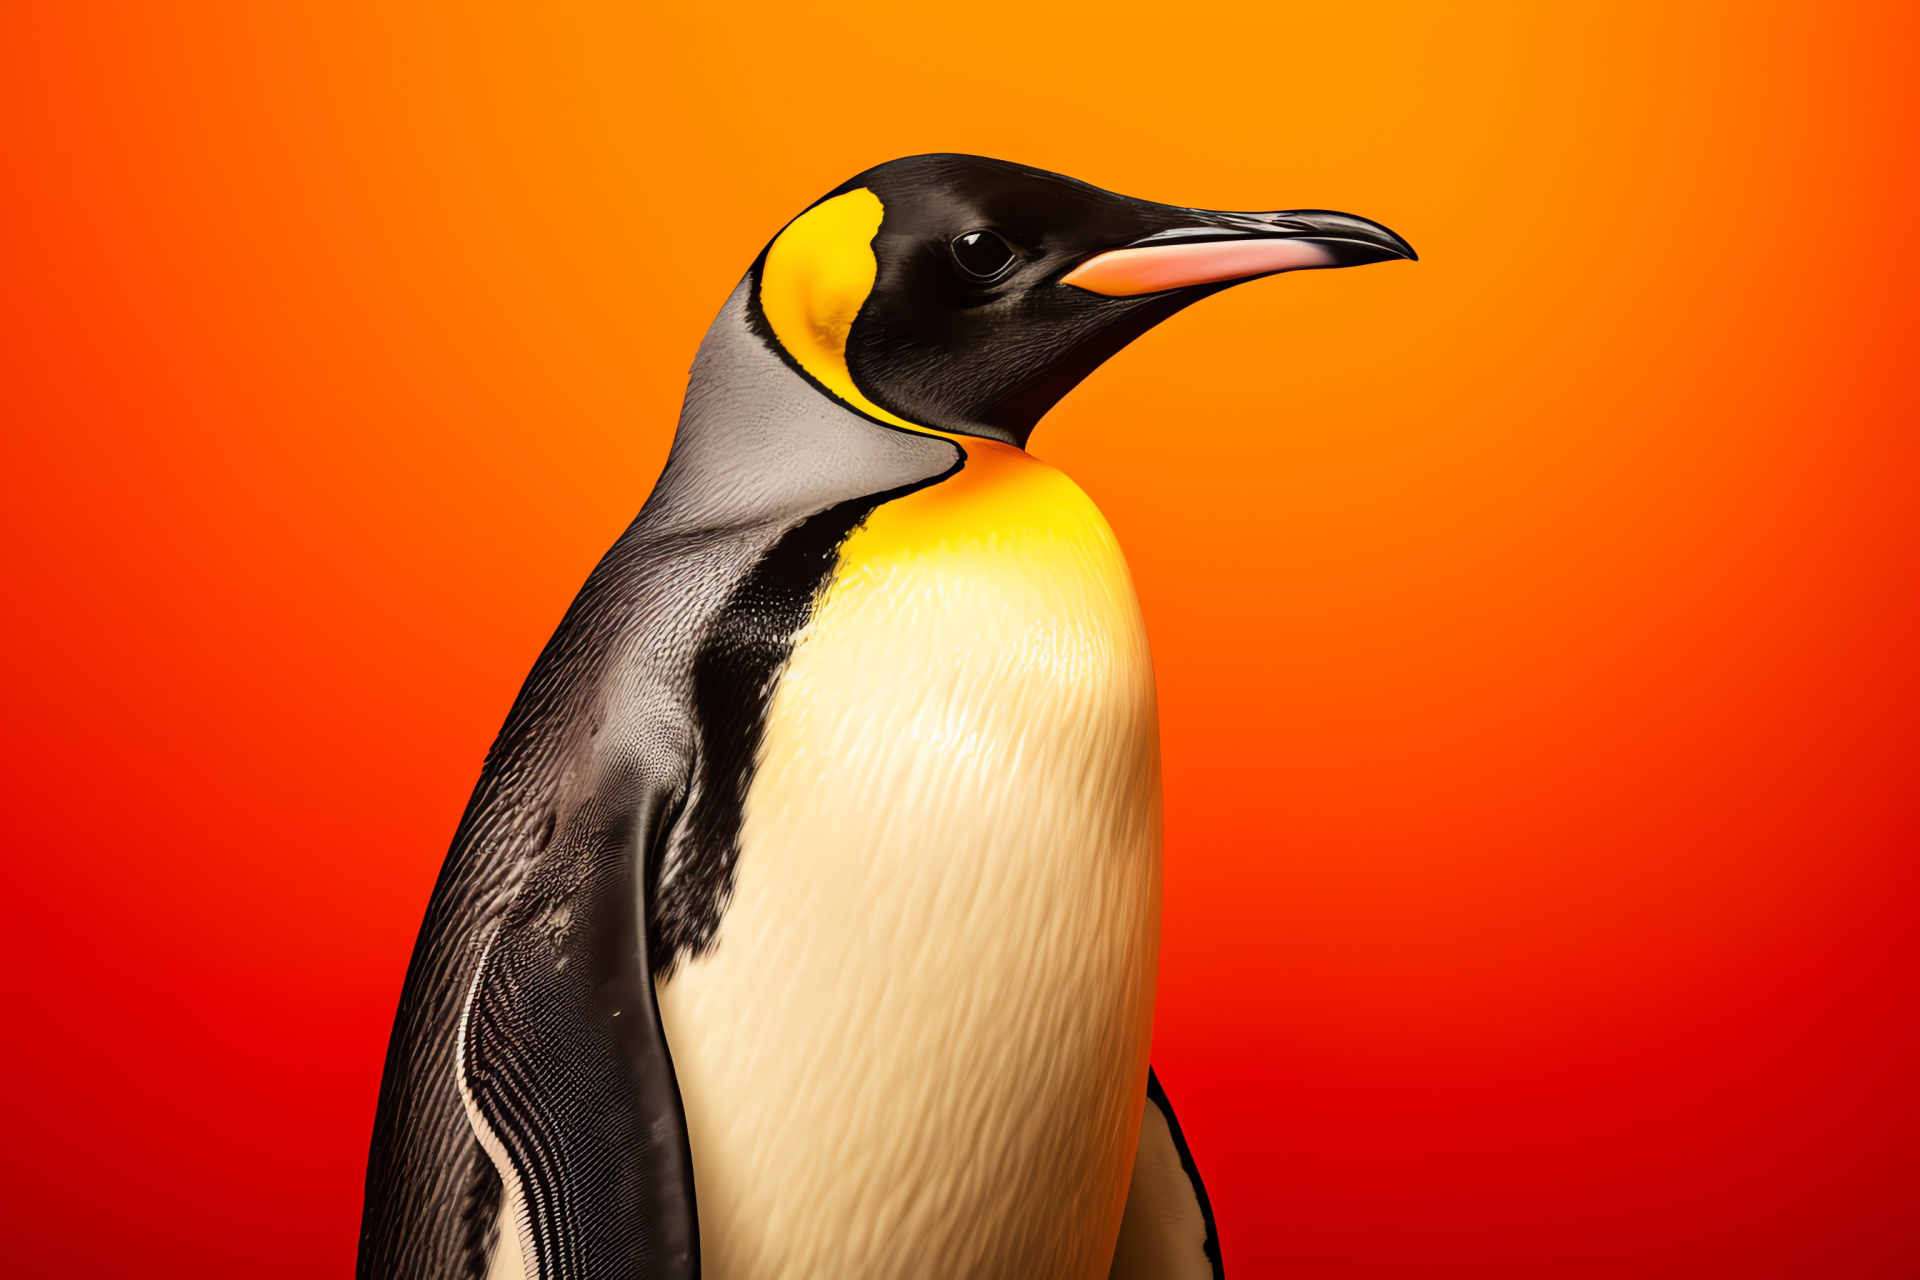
[1353,241]
[1359,253]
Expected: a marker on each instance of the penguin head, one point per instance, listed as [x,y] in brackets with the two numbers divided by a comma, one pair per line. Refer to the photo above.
[969,295]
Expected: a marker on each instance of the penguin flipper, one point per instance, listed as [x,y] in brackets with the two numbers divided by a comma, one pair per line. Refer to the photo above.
[564,1072]
[1167,1232]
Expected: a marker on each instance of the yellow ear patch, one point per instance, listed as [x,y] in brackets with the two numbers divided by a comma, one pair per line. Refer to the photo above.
[817,276]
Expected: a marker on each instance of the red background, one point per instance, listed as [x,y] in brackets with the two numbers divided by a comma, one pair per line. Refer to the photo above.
[1535,624]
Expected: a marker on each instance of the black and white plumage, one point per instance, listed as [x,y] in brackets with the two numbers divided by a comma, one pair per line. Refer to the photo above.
[804,920]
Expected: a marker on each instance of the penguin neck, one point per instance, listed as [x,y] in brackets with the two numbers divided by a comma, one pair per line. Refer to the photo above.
[757,443]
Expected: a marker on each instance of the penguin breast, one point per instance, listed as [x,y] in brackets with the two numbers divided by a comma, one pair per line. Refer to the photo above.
[918,1045]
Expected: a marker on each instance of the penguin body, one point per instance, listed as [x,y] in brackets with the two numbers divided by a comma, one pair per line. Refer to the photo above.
[948,873]
[805,919]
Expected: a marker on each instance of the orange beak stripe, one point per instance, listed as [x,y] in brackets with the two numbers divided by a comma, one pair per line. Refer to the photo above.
[1124,273]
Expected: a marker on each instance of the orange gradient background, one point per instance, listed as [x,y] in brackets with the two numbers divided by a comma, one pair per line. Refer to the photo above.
[1535,624]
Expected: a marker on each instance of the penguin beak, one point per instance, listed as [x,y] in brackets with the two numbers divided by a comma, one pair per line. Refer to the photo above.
[1223,248]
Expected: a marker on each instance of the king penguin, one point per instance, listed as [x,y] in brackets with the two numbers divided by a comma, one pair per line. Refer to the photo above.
[803,924]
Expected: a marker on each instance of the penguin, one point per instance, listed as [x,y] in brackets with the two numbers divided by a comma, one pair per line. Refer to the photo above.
[804,920]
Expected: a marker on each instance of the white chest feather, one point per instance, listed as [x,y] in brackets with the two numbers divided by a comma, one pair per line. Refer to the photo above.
[919,1045]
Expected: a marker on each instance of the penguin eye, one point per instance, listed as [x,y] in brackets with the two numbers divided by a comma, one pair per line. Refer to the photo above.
[981,254]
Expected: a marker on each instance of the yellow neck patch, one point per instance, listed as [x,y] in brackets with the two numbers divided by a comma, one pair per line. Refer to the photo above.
[817,276]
